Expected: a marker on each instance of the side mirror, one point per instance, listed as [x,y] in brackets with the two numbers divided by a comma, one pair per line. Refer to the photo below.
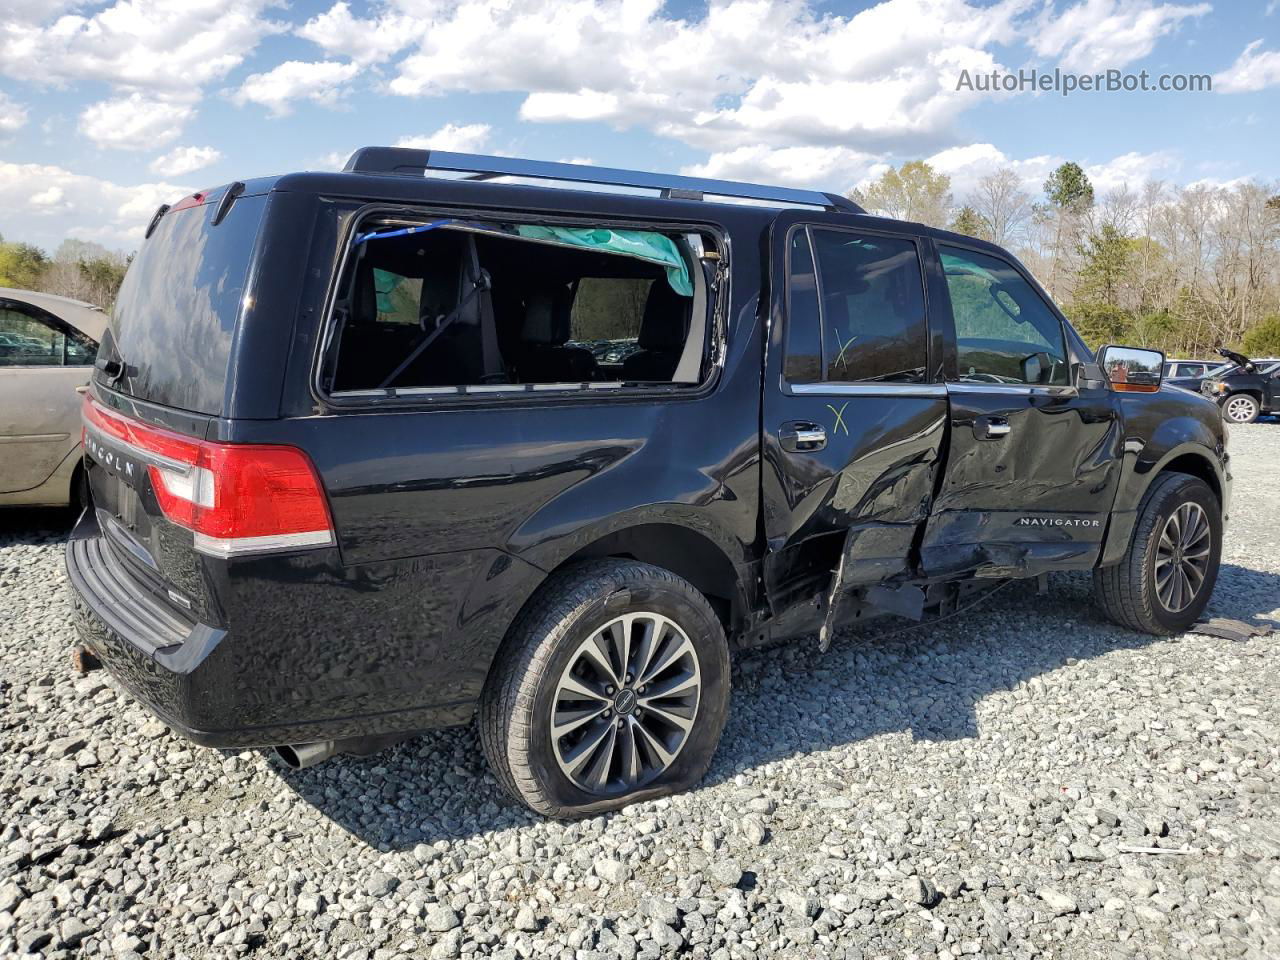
[1132,369]
[1037,368]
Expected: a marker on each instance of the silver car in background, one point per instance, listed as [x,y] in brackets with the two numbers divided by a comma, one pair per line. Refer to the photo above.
[47,348]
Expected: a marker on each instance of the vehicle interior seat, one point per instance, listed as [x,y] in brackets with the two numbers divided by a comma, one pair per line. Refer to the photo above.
[663,330]
[369,350]
[544,356]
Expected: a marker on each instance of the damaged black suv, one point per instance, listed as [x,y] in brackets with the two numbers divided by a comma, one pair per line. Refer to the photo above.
[443,435]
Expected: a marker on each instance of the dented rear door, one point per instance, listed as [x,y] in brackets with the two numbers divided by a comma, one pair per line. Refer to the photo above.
[854,417]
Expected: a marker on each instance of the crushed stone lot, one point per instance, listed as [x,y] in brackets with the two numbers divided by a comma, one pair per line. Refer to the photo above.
[982,786]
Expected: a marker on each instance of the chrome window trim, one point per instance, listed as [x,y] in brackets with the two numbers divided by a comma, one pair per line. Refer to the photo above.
[1053,390]
[828,388]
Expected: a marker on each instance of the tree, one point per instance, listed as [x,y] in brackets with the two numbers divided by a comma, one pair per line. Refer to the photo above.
[969,223]
[1107,256]
[1263,340]
[1100,323]
[21,265]
[1002,204]
[85,271]
[1070,196]
[1068,187]
[914,191]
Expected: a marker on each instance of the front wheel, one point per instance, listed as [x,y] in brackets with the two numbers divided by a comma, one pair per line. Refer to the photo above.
[1166,577]
[612,687]
[1240,408]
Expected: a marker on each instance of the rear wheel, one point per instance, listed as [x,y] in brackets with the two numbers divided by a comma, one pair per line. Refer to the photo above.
[1166,577]
[612,687]
[1240,408]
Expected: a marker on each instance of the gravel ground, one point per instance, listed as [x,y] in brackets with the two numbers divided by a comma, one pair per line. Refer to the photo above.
[967,789]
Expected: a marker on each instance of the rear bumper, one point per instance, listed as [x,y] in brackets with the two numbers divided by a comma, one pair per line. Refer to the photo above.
[217,687]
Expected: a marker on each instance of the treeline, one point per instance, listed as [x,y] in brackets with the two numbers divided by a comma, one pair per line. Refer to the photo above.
[1182,269]
[79,269]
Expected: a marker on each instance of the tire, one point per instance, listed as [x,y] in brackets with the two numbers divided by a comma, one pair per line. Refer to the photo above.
[1128,591]
[1240,408]
[547,648]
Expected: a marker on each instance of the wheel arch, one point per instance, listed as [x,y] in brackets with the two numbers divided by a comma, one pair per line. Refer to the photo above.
[1192,458]
[1194,464]
[687,553]
[1253,392]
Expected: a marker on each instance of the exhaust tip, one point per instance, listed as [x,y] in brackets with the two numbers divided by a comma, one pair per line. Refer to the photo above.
[299,756]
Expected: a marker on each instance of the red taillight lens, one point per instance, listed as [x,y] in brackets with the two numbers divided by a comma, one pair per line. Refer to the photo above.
[236,498]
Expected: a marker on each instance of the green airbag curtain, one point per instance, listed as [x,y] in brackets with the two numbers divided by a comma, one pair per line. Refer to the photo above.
[641,244]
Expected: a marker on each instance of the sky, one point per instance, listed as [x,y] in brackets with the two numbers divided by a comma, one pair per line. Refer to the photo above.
[109,109]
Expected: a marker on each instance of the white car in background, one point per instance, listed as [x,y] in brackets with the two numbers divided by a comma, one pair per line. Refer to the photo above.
[47,348]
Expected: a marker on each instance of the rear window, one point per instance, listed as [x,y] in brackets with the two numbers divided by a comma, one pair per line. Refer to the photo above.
[173,321]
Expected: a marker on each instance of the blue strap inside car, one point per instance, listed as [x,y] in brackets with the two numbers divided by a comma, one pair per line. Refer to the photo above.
[401,232]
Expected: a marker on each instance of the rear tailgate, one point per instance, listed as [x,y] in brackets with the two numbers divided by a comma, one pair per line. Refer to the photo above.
[146,549]
[166,498]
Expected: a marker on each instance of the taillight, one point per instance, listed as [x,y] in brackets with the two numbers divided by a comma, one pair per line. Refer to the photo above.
[236,498]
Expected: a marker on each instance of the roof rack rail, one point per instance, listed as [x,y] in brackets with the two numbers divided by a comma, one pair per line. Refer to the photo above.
[405,161]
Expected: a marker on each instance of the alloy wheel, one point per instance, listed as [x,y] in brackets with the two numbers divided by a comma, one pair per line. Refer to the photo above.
[1182,557]
[625,704]
[1240,409]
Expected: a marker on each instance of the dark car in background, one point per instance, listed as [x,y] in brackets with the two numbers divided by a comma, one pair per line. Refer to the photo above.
[355,473]
[1247,390]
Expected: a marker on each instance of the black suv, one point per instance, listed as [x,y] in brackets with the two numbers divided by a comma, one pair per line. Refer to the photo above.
[356,472]
[1246,391]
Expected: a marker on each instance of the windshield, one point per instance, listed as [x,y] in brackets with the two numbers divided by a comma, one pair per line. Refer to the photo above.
[176,313]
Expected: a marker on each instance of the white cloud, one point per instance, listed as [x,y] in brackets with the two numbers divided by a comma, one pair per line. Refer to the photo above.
[1094,35]
[1254,69]
[181,160]
[39,200]
[49,197]
[1131,170]
[322,82]
[164,47]
[831,168]
[968,164]
[13,115]
[467,138]
[134,122]
[338,33]
[579,105]
[747,71]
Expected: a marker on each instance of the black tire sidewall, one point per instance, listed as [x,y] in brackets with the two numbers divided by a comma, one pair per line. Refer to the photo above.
[1164,504]
[699,623]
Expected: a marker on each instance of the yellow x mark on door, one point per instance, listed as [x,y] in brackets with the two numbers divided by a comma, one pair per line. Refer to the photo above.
[839,424]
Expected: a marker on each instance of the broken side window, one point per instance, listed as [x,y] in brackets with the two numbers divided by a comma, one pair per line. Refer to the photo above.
[458,304]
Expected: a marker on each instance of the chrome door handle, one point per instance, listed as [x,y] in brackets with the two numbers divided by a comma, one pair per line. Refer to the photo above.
[991,428]
[801,436]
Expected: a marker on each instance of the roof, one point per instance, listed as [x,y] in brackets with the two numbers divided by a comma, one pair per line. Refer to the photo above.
[85,317]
